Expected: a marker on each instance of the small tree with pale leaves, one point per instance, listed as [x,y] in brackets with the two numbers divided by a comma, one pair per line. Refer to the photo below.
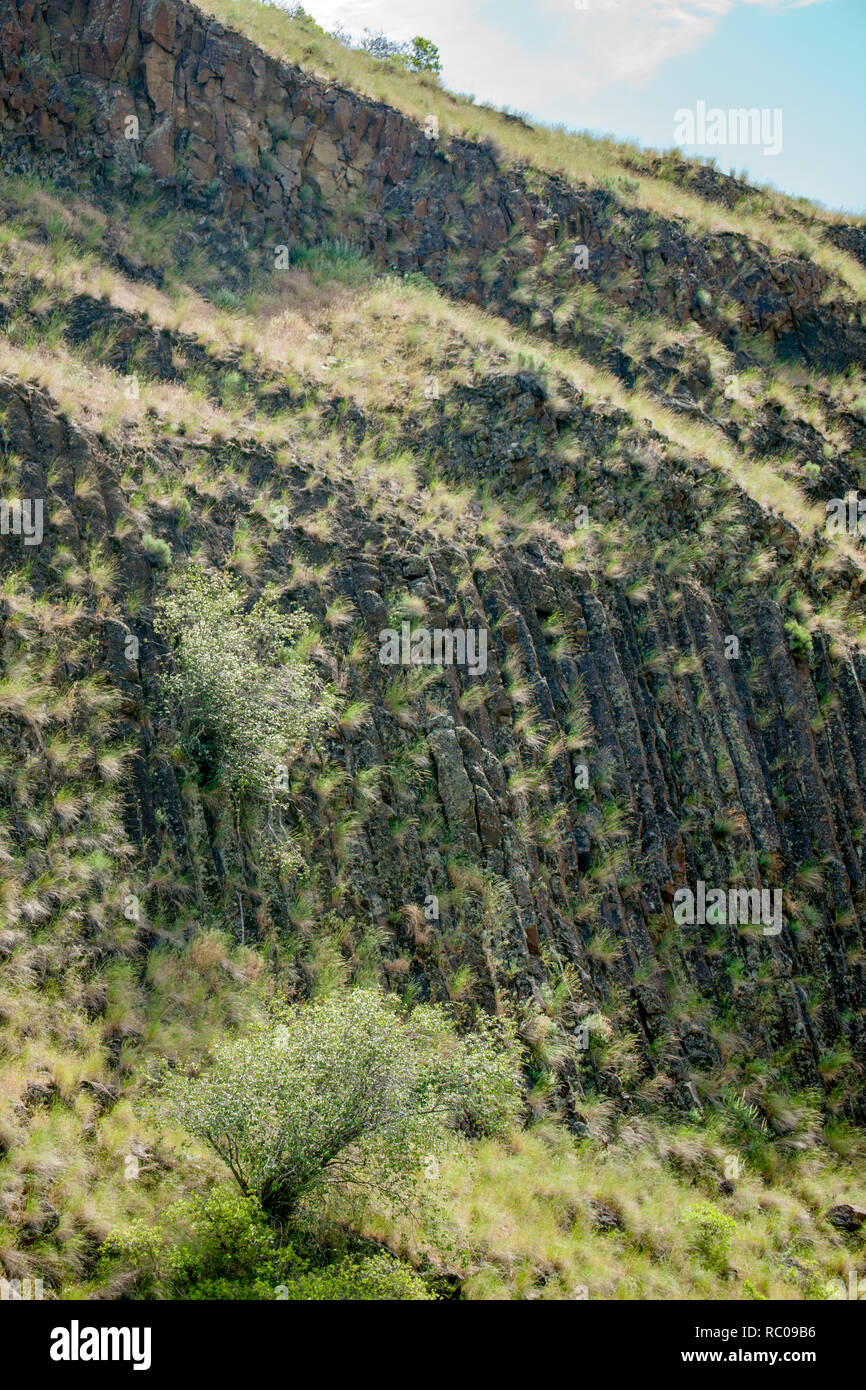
[344,1096]
[248,700]
[247,696]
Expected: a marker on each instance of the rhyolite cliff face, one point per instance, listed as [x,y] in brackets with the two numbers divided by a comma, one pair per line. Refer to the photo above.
[738,768]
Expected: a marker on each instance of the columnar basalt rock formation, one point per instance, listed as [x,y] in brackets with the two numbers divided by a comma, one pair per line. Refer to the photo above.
[742,766]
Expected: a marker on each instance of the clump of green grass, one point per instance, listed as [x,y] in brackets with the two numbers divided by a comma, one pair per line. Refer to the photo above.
[157,550]
[334,260]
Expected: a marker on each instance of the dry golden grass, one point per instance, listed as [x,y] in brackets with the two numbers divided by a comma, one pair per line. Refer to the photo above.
[525,1226]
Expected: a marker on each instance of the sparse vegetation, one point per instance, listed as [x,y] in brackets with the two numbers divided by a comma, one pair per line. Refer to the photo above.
[398,943]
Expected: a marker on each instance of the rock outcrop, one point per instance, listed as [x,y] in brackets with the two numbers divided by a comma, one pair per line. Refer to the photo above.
[620,745]
[111,86]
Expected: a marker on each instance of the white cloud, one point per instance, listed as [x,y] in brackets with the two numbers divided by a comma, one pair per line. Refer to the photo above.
[630,39]
[585,50]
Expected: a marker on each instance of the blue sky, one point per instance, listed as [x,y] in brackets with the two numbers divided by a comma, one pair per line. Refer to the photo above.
[625,67]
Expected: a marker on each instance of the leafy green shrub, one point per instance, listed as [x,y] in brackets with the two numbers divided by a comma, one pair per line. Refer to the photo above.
[712,1232]
[368,1278]
[247,699]
[220,1246]
[345,1097]
[752,1293]
[424,56]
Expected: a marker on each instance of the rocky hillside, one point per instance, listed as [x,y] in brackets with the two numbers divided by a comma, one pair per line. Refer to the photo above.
[260,321]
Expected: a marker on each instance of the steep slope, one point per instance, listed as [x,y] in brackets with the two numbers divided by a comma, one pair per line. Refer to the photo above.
[419,414]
